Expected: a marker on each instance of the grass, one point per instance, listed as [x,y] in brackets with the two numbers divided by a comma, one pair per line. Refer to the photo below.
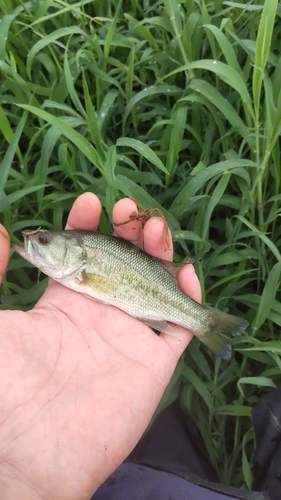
[177,104]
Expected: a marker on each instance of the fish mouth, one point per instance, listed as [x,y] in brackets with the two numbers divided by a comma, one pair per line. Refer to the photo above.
[31,249]
[28,250]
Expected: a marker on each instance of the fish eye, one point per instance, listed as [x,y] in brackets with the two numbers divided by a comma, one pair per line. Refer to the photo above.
[43,239]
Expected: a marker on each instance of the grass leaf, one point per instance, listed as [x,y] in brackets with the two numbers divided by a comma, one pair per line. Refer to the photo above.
[142,149]
[85,146]
[268,295]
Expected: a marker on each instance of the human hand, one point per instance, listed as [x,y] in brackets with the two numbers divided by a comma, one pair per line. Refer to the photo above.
[80,380]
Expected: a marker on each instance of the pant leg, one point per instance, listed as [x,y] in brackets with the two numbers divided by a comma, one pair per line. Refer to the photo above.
[174,443]
[138,482]
[267,462]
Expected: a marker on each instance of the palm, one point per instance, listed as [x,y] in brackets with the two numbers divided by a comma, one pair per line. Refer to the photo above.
[80,382]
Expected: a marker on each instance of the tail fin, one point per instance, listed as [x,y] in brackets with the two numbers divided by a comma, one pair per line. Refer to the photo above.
[221,327]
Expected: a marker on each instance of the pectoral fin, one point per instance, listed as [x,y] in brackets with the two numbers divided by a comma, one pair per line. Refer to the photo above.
[97,283]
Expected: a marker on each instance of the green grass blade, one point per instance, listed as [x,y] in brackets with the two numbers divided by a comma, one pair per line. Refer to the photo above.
[175,144]
[276,126]
[143,31]
[195,184]
[12,198]
[64,8]
[85,146]
[262,236]
[214,200]
[225,47]
[105,109]
[50,39]
[263,43]
[110,33]
[69,79]
[130,75]
[225,73]
[49,143]
[259,381]
[143,150]
[246,466]
[215,97]
[92,120]
[7,132]
[173,12]
[6,21]
[268,295]
[199,386]
[147,93]
[109,166]
[10,153]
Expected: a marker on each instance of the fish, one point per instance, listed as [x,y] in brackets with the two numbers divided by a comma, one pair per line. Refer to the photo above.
[113,271]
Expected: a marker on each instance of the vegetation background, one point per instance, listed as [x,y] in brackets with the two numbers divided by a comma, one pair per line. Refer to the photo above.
[176,103]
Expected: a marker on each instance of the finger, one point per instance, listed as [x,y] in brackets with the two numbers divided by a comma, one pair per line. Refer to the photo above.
[121,213]
[189,283]
[4,251]
[153,236]
[85,213]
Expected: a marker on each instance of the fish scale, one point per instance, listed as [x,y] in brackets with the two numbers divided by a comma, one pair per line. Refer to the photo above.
[115,272]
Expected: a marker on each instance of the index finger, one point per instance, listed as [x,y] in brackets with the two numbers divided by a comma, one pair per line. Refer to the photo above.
[85,213]
[131,231]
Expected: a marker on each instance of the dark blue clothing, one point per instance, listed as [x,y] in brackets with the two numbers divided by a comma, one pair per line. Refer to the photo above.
[138,482]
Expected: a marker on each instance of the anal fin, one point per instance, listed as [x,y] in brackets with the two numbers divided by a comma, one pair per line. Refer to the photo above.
[160,326]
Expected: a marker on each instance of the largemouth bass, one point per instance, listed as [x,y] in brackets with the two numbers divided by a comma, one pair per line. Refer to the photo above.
[113,271]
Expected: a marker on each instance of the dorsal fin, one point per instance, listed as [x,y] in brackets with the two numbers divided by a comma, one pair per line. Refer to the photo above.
[173,267]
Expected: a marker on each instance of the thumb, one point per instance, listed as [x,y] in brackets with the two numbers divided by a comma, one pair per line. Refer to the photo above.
[4,251]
